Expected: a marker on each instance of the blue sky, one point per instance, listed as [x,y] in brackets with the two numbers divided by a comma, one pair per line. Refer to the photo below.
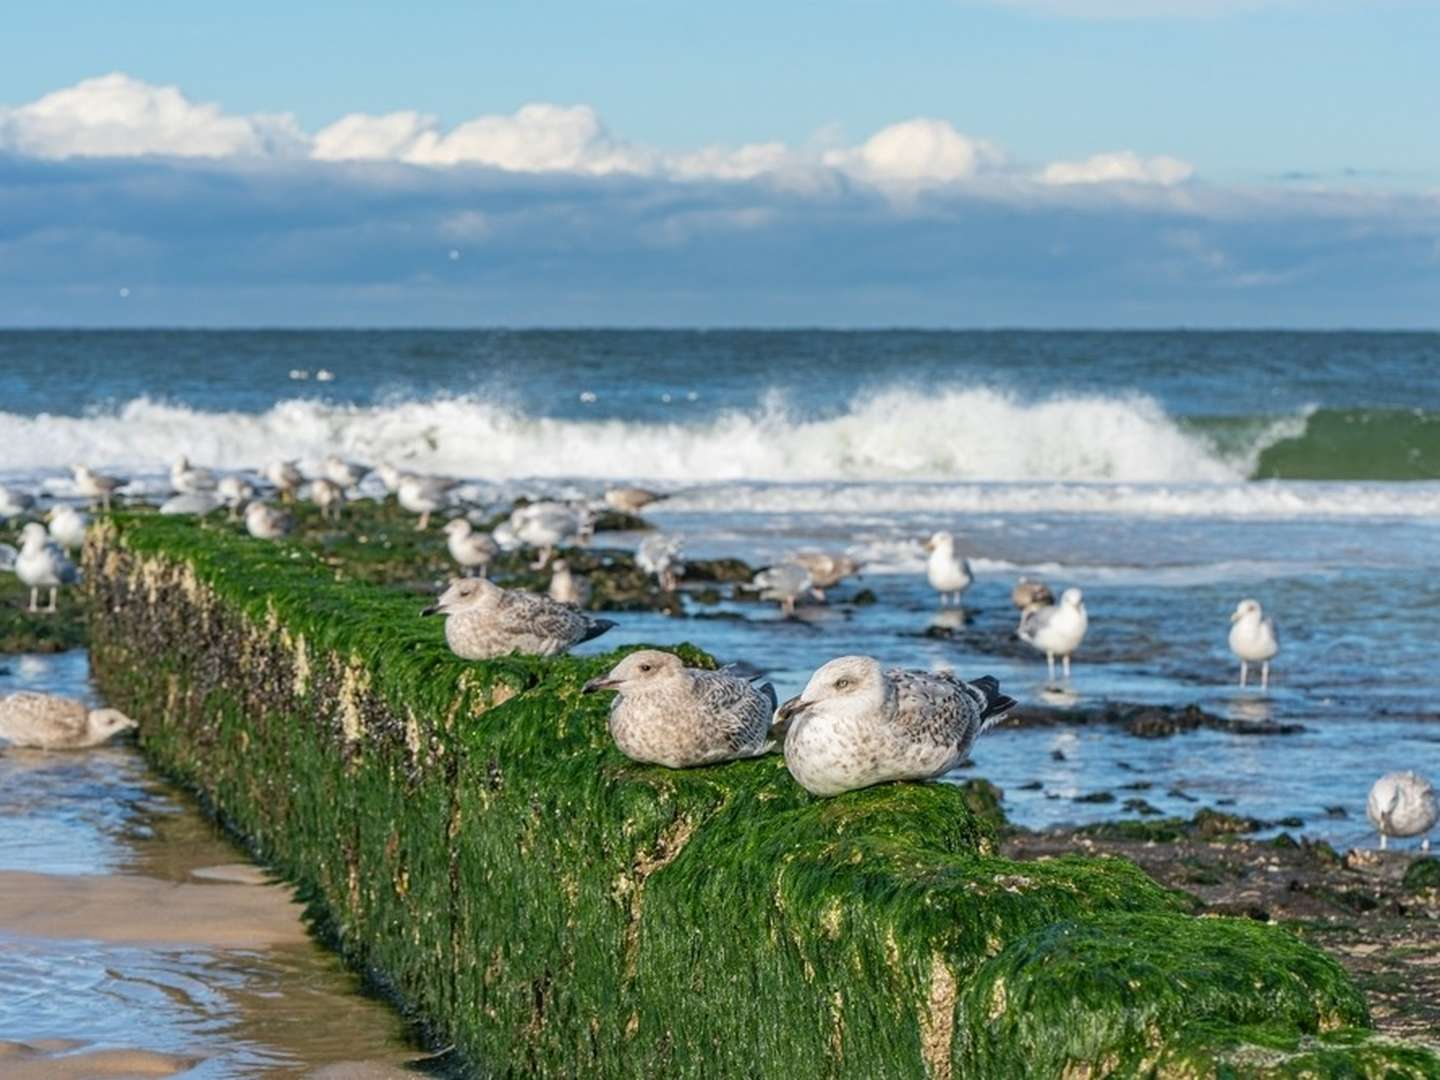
[1030,162]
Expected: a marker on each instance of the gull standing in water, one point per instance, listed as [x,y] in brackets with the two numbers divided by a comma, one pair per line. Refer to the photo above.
[671,715]
[1027,594]
[826,570]
[484,621]
[42,565]
[1253,639]
[287,478]
[96,487]
[50,722]
[786,583]
[1403,804]
[856,724]
[472,550]
[1056,629]
[660,556]
[949,574]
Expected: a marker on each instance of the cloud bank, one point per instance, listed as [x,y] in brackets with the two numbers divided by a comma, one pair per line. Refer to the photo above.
[123,203]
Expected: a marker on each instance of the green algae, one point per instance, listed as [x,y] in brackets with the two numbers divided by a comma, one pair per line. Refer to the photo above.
[39,632]
[468,835]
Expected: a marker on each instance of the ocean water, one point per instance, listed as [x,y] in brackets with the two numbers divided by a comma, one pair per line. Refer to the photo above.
[1168,475]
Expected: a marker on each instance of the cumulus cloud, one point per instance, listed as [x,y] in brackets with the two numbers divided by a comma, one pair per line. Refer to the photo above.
[117,116]
[1121,167]
[920,152]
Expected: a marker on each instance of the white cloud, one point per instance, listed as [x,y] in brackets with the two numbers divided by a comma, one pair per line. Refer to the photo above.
[117,116]
[362,137]
[919,152]
[1121,167]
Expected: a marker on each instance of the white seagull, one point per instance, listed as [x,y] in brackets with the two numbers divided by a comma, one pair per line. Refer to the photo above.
[424,495]
[190,479]
[659,556]
[1056,629]
[473,550]
[42,565]
[96,487]
[67,527]
[785,582]
[1253,640]
[949,574]
[286,476]
[264,522]
[1403,804]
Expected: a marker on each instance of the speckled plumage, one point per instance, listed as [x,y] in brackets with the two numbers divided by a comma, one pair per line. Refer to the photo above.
[484,621]
[671,715]
[49,722]
[856,725]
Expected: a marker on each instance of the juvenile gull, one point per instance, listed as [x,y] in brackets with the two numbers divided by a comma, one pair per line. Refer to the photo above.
[235,491]
[264,522]
[345,473]
[948,573]
[826,570]
[546,525]
[660,556]
[856,724]
[424,495]
[190,479]
[484,621]
[1403,804]
[472,550]
[42,565]
[1027,594]
[1253,639]
[566,587]
[630,500]
[786,583]
[671,715]
[48,722]
[96,487]
[286,476]
[328,496]
[67,527]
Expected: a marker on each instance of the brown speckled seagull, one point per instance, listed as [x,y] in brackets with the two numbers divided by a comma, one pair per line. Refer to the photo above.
[856,724]
[49,722]
[484,621]
[668,714]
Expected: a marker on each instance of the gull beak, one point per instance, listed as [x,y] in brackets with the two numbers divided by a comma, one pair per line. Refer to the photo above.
[929,545]
[601,682]
[791,709]
[433,609]
[1234,616]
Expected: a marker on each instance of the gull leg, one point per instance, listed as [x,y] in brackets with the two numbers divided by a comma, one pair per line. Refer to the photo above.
[34,598]
[424,521]
[53,591]
[1244,672]
[1425,844]
[1065,662]
[1050,663]
[1265,675]
[1383,839]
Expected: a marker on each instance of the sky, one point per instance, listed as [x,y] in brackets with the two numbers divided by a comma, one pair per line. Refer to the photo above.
[854,162]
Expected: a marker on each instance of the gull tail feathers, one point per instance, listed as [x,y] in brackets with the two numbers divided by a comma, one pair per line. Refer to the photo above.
[995,705]
[597,627]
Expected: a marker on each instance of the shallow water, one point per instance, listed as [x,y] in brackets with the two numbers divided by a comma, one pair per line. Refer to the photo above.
[136,940]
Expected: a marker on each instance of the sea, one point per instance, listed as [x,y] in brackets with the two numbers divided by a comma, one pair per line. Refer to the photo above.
[1166,474]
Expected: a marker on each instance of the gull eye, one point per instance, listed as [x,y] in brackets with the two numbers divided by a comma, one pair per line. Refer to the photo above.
[842,684]
[645,667]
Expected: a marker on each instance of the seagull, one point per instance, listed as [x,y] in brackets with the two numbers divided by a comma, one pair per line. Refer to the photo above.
[1056,629]
[235,490]
[424,495]
[484,621]
[286,476]
[472,550]
[668,714]
[42,565]
[1403,804]
[344,473]
[264,522]
[1253,640]
[948,573]
[785,582]
[192,502]
[856,724]
[190,479]
[660,556]
[568,588]
[630,500]
[1027,594]
[98,488]
[67,527]
[49,722]
[545,525]
[826,570]
[14,503]
[328,496]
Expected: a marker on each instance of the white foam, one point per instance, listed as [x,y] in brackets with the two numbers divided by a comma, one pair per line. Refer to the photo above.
[955,434]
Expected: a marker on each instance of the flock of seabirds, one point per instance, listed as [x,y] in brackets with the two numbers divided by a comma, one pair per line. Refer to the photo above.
[854,725]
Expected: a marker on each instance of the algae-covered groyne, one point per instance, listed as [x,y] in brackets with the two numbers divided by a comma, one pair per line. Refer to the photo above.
[467,834]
